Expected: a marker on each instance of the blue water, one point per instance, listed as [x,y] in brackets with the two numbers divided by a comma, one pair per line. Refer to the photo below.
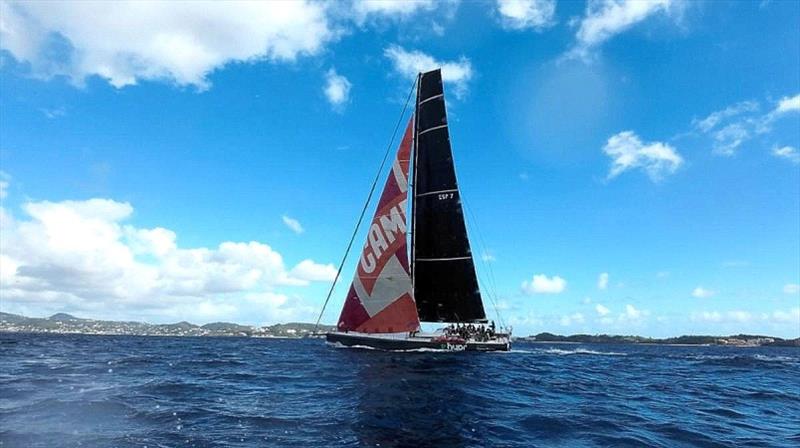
[99,391]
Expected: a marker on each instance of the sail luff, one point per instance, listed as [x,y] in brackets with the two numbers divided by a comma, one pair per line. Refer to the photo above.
[444,280]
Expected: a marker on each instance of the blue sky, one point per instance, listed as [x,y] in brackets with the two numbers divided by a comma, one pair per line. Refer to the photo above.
[627,167]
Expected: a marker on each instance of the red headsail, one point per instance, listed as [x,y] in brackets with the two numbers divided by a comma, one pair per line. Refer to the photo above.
[380,299]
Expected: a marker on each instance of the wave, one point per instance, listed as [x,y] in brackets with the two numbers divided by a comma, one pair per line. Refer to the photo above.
[579,351]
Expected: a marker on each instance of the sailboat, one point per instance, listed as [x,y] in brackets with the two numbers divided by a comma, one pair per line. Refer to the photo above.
[394,288]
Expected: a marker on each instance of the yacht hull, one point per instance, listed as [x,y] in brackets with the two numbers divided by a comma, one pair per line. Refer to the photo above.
[406,342]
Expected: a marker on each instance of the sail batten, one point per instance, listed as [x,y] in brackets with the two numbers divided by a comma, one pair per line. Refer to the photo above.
[445,285]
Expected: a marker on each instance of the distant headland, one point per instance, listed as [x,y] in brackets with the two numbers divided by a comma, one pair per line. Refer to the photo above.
[63,323]
[741,340]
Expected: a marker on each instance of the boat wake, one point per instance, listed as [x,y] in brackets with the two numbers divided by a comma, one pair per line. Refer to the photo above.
[578,351]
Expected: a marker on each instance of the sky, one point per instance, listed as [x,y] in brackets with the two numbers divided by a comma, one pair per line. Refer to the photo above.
[626,167]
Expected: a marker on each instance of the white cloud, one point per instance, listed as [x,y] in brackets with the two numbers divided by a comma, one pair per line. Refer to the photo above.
[601,310]
[788,104]
[54,112]
[524,14]
[293,224]
[789,153]
[606,18]
[627,152]
[602,281]
[702,293]
[778,317]
[728,139]
[308,270]
[541,284]
[125,42]
[792,316]
[158,241]
[711,121]
[791,288]
[78,256]
[364,9]
[735,316]
[633,314]
[337,89]
[731,127]
[410,63]
[488,257]
[739,316]
[707,316]
[575,318]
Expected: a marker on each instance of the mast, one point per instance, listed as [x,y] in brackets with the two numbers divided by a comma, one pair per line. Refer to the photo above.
[414,176]
[443,271]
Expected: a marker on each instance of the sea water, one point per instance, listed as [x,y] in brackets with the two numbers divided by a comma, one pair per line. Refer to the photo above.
[125,391]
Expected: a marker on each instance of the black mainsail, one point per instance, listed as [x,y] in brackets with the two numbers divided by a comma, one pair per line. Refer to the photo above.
[443,271]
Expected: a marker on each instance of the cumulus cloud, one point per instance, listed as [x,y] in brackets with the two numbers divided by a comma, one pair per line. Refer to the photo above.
[526,14]
[309,271]
[791,288]
[789,153]
[702,293]
[293,224]
[627,152]
[542,284]
[605,19]
[788,104]
[409,63]
[81,256]
[337,89]
[575,318]
[633,314]
[602,281]
[601,310]
[126,42]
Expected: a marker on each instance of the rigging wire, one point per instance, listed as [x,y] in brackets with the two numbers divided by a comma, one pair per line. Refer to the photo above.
[366,204]
[492,284]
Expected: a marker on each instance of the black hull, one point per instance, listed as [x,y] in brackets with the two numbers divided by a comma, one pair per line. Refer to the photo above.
[411,343]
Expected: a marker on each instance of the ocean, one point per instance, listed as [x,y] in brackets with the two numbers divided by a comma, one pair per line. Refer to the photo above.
[127,391]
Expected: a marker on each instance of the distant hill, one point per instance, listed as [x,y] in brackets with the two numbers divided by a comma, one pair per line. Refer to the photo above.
[738,340]
[67,323]
[63,317]
[227,326]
